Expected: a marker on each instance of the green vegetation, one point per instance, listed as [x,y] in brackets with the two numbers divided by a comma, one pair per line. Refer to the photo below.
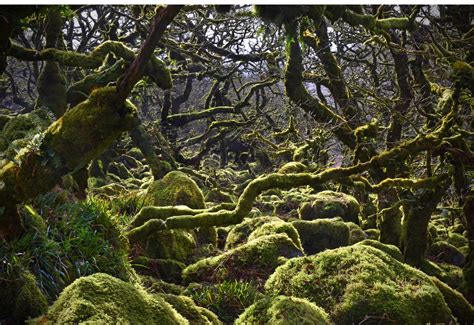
[329,204]
[252,261]
[103,298]
[227,299]
[236,164]
[358,281]
[283,310]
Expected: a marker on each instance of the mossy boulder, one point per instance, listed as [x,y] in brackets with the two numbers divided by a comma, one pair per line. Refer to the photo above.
[154,285]
[20,298]
[167,269]
[176,188]
[176,244]
[277,227]
[359,281]
[452,275]
[457,240]
[391,250]
[292,167]
[101,298]
[319,235]
[356,234]
[240,233]
[186,307]
[252,261]
[119,170]
[282,310]
[372,234]
[330,204]
[444,252]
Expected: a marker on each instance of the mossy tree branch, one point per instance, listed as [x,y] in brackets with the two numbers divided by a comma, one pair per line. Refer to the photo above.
[155,69]
[297,92]
[288,181]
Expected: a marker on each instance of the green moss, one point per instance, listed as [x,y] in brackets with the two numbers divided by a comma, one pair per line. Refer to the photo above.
[119,169]
[457,240]
[372,234]
[359,281]
[176,188]
[444,252]
[51,86]
[20,130]
[167,269]
[391,250]
[460,307]
[154,285]
[451,275]
[319,235]
[277,227]
[281,310]
[329,204]
[89,128]
[188,309]
[240,233]
[152,212]
[104,299]
[253,261]
[356,233]
[176,244]
[21,298]
[292,167]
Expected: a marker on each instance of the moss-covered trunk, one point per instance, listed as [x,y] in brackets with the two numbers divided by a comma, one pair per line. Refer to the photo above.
[51,82]
[415,224]
[68,145]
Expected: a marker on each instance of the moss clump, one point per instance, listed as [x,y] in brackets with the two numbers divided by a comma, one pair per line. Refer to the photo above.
[281,310]
[20,298]
[176,188]
[19,130]
[154,285]
[457,240]
[293,167]
[444,252]
[101,298]
[277,227]
[391,250]
[358,281]
[372,234]
[460,307]
[319,235]
[227,299]
[186,307]
[356,233]
[330,204]
[176,244]
[167,269]
[253,261]
[240,233]
[451,275]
